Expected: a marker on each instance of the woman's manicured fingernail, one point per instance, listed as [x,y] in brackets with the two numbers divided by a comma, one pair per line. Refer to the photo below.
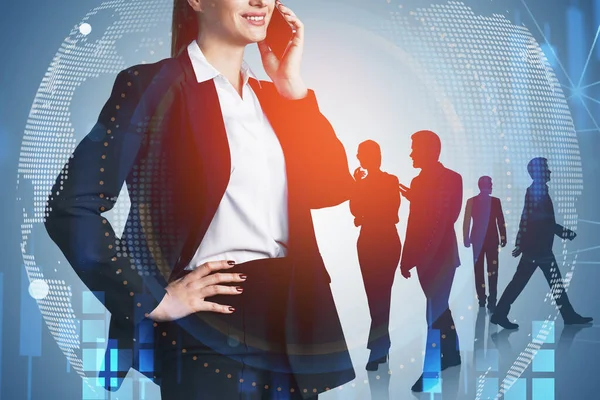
[230,262]
[239,289]
[243,276]
[231,309]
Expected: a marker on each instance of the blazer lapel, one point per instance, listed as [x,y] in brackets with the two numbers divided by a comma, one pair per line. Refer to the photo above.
[210,138]
[207,129]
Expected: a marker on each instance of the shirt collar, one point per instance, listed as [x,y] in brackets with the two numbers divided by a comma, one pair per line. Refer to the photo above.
[205,71]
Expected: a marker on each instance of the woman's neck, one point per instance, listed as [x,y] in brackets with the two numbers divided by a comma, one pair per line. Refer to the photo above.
[226,59]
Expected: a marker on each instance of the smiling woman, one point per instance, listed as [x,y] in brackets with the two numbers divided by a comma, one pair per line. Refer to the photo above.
[230,21]
[257,19]
[222,172]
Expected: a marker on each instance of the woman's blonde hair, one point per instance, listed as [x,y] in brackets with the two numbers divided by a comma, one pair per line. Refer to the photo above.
[184,27]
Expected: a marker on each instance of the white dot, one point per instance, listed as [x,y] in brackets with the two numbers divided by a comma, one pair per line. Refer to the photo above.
[38,289]
[85,29]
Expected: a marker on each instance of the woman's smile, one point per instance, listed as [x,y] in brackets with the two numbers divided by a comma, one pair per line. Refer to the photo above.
[256,19]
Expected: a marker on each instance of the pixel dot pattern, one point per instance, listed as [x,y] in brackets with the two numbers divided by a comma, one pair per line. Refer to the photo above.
[507,96]
[510,105]
[50,138]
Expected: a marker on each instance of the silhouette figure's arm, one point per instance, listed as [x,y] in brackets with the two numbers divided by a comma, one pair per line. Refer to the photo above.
[405,190]
[395,198]
[411,251]
[446,214]
[357,203]
[87,187]
[357,198]
[467,223]
[564,233]
[501,223]
[528,204]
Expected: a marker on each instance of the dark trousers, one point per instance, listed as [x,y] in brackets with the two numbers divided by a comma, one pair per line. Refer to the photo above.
[442,339]
[489,253]
[525,270]
[379,255]
[237,356]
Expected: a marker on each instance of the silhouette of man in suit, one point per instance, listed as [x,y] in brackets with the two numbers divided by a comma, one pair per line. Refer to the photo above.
[435,197]
[488,220]
[374,204]
[534,243]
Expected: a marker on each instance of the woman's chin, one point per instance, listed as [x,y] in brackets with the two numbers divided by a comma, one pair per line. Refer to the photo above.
[255,38]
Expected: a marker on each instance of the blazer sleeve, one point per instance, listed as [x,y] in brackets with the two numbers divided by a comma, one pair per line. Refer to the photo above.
[357,203]
[561,231]
[467,221]
[446,214]
[86,188]
[500,220]
[528,205]
[411,250]
[327,179]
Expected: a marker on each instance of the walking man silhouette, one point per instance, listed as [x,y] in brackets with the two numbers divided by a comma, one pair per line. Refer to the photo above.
[534,244]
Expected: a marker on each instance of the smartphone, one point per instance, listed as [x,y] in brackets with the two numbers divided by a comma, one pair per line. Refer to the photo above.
[279,34]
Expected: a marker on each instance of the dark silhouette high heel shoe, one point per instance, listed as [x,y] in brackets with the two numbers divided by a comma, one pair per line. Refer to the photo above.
[373,365]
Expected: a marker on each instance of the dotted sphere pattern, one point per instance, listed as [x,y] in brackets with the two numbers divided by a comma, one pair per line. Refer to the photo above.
[509,106]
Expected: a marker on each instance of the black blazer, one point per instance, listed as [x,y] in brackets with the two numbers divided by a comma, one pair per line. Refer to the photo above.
[538,225]
[435,203]
[488,221]
[162,133]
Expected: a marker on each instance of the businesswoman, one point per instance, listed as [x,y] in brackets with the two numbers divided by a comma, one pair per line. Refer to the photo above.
[374,203]
[216,287]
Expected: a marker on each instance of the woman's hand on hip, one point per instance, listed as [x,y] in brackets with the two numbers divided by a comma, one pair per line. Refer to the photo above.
[188,295]
[285,73]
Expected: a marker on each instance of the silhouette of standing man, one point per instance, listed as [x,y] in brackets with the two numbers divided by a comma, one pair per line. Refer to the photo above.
[374,204]
[435,197]
[534,241]
[488,219]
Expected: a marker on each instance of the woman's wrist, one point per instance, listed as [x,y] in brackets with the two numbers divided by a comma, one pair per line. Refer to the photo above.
[291,88]
[159,314]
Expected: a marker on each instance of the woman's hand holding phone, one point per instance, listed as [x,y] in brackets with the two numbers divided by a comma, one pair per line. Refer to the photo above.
[187,295]
[359,174]
[285,72]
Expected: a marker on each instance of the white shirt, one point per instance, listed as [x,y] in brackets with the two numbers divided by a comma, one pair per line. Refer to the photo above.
[251,222]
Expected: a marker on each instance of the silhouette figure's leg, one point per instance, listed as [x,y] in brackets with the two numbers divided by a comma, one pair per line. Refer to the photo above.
[378,287]
[554,278]
[378,264]
[445,322]
[439,317]
[387,265]
[478,258]
[491,254]
[524,271]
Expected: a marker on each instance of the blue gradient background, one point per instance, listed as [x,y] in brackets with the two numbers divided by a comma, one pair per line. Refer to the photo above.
[31,34]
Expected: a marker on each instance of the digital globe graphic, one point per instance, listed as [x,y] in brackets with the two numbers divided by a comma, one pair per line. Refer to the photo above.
[381,71]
